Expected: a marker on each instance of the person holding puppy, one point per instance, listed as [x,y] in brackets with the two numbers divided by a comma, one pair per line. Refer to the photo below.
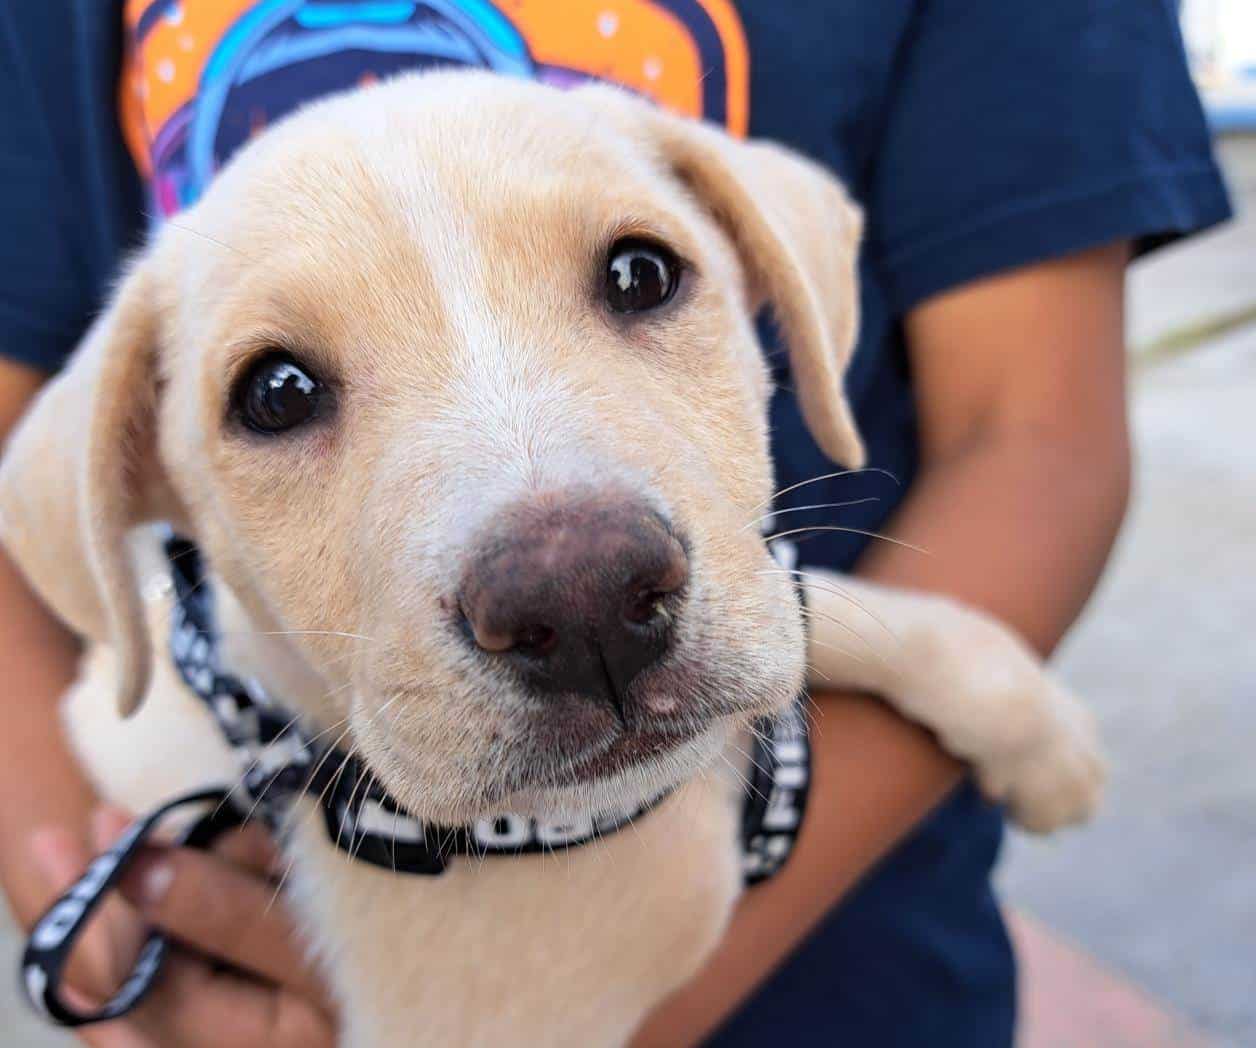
[1010,163]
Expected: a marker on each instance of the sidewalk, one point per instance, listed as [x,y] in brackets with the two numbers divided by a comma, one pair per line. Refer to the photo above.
[1068,1000]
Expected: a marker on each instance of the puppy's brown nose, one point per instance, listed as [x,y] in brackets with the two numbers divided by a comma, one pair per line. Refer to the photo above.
[577,592]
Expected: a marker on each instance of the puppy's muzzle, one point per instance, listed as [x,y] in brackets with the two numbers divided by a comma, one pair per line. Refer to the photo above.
[578,592]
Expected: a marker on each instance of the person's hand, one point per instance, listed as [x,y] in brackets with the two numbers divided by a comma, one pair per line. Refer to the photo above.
[241,975]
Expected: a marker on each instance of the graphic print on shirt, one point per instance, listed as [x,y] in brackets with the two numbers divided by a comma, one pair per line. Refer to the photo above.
[203,76]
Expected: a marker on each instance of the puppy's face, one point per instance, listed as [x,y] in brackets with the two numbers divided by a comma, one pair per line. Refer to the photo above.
[456,380]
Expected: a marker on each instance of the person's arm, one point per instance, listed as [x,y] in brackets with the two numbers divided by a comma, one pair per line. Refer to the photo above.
[39,777]
[1020,386]
[72,204]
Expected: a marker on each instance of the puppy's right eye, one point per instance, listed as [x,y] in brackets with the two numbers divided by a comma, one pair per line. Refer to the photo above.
[278,394]
[640,275]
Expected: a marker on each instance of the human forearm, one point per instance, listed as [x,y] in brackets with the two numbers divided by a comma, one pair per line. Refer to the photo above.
[39,777]
[1019,526]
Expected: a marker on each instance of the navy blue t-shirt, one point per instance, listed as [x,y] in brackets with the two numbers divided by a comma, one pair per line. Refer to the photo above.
[980,135]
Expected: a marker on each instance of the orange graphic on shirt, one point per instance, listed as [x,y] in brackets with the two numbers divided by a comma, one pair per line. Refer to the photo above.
[202,76]
[641,45]
[163,71]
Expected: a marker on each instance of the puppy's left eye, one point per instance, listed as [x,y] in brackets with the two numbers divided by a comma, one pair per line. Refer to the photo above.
[278,394]
[640,275]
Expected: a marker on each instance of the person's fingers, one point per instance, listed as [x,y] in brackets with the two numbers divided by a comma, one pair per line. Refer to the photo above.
[120,1033]
[125,930]
[222,911]
[193,1005]
[252,848]
[108,823]
[60,856]
[107,946]
[196,1006]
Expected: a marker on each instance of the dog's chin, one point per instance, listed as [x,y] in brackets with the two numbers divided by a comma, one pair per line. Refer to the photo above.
[555,781]
[570,756]
[633,773]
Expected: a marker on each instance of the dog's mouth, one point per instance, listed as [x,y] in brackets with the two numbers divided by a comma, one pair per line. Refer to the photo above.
[629,750]
[576,743]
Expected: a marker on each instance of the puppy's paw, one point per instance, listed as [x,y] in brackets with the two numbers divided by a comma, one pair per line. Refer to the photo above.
[1057,780]
[990,701]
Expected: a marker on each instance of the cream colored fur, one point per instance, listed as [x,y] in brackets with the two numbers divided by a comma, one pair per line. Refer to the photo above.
[434,246]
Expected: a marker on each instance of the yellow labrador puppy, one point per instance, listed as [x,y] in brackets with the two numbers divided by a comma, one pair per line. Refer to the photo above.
[454,383]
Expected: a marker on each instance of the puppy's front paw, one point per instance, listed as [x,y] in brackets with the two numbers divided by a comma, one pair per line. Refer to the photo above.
[1057,780]
[988,697]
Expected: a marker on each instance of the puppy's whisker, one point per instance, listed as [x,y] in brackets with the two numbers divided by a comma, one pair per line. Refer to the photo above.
[809,612]
[357,783]
[335,724]
[323,760]
[815,721]
[811,701]
[266,789]
[339,738]
[383,709]
[756,734]
[742,779]
[226,799]
[282,731]
[816,480]
[745,781]
[206,237]
[334,780]
[393,846]
[824,616]
[852,531]
[283,879]
[803,509]
[846,652]
[356,845]
[299,633]
[314,810]
[827,585]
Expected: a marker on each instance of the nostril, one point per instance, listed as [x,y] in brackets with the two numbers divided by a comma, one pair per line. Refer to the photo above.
[648,595]
[646,606]
[536,641]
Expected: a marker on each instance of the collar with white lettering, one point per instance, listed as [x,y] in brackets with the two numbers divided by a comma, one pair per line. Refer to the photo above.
[281,762]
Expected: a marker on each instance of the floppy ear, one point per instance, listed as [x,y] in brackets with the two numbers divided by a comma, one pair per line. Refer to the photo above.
[797,233]
[80,470]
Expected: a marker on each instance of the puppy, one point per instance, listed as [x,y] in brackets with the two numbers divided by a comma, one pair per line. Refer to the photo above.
[454,381]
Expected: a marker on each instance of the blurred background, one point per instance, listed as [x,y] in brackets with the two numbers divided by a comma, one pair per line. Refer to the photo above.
[1139,931]
[1221,40]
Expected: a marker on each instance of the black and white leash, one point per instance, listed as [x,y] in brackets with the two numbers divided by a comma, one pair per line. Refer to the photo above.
[281,763]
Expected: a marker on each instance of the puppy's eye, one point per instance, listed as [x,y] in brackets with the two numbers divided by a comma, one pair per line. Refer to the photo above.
[640,275]
[278,394]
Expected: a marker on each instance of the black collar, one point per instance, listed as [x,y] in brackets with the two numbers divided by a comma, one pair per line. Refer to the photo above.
[281,762]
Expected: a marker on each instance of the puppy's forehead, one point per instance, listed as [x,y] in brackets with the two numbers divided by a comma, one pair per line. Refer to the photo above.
[384,201]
